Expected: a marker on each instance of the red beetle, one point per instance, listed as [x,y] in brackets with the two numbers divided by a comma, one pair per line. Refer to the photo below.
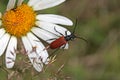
[62,41]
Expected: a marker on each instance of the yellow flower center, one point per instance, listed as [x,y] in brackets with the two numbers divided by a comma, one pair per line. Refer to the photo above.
[19,21]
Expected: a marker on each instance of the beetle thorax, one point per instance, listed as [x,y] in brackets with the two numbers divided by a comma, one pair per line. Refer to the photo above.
[70,37]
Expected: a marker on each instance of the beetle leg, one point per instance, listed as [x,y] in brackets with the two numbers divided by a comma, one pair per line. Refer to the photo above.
[47,47]
[51,39]
[64,46]
[65,33]
[58,32]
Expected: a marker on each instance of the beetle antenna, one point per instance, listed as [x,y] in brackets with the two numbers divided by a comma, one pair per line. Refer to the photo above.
[82,39]
[76,22]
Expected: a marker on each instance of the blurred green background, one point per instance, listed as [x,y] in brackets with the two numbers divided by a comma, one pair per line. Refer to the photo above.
[99,59]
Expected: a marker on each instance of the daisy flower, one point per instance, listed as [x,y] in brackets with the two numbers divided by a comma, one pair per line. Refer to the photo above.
[23,22]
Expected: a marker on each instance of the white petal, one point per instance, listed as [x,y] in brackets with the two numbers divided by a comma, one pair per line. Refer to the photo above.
[44,35]
[38,46]
[0,15]
[11,5]
[37,64]
[51,28]
[33,2]
[19,2]
[57,19]
[3,43]
[43,4]
[27,44]
[0,23]
[66,46]
[2,32]
[10,53]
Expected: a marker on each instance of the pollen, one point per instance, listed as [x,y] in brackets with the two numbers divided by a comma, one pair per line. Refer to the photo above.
[19,21]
